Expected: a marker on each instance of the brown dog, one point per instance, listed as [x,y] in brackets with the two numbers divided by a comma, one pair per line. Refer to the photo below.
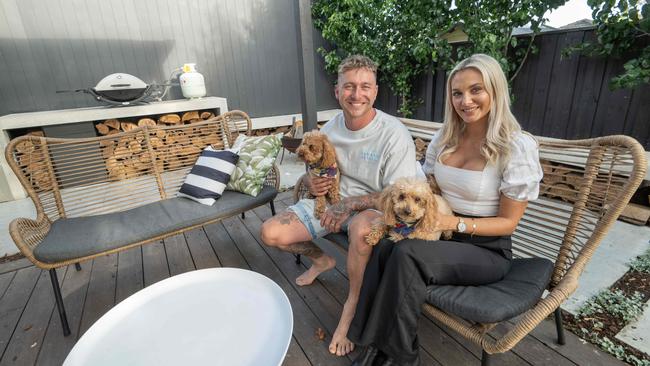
[320,156]
[410,211]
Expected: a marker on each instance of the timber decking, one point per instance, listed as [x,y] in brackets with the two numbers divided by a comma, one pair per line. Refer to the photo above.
[30,331]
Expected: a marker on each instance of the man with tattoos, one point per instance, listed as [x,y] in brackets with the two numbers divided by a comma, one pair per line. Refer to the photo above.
[373,149]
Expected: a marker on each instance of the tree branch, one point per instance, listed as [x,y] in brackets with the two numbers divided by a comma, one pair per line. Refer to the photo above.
[530,45]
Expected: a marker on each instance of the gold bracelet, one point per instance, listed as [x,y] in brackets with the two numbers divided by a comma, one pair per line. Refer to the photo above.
[473,227]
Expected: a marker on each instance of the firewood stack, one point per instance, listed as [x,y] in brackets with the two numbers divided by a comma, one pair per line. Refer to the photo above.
[564,182]
[127,156]
[420,148]
[31,159]
[113,126]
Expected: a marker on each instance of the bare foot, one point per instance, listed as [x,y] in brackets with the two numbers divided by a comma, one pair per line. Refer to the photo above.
[340,344]
[322,264]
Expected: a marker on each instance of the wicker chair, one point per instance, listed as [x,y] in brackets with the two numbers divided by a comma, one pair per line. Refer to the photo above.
[586,186]
[72,181]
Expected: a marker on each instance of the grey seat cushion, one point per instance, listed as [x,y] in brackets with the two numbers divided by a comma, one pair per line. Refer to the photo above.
[520,290]
[83,236]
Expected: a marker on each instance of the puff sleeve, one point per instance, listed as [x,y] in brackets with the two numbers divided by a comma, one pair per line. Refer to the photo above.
[523,172]
[431,156]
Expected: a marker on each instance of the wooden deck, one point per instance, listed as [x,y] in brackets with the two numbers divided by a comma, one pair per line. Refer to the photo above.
[30,330]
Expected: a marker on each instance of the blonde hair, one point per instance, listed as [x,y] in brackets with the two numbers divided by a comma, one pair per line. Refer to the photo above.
[502,124]
[355,62]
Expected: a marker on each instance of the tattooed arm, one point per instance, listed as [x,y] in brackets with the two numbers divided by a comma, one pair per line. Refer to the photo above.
[336,214]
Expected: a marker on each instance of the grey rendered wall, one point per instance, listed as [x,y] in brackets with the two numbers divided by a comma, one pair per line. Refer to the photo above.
[246,49]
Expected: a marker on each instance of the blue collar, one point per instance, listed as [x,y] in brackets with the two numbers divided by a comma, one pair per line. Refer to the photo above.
[404,229]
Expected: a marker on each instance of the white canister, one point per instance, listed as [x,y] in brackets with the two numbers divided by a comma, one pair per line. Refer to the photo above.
[192,82]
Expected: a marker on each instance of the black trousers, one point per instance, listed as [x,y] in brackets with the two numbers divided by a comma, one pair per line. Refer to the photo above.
[395,281]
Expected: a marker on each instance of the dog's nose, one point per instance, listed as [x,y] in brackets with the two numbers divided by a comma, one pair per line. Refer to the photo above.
[407,211]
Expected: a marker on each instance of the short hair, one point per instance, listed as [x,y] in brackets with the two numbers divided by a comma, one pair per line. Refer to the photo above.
[501,122]
[355,62]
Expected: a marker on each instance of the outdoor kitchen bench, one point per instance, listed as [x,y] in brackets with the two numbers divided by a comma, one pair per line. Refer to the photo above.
[586,186]
[103,195]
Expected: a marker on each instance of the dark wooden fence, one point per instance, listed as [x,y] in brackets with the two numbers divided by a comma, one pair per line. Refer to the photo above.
[556,96]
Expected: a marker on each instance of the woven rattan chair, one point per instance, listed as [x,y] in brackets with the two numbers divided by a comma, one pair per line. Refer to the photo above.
[83,178]
[586,186]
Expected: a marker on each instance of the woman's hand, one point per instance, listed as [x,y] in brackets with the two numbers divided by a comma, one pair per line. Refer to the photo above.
[317,186]
[446,223]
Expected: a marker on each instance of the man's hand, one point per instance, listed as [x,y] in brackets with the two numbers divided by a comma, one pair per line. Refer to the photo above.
[335,216]
[318,186]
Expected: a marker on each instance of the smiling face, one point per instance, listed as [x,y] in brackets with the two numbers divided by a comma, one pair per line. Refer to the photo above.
[356,92]
[469,96]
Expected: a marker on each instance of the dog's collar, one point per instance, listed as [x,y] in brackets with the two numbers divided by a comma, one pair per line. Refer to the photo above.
[404,228]
[323,172]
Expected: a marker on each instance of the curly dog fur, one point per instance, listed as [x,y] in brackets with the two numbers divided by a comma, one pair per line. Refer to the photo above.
[409,202]
[319,154]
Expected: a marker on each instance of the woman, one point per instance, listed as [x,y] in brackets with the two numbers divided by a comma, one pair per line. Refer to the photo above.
[488,169]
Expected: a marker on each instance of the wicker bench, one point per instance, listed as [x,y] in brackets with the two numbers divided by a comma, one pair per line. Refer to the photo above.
[103,195]
[586,185]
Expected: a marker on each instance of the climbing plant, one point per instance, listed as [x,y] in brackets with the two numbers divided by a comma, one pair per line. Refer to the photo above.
[489,25]
[405,36]
[622,29]
[402,36]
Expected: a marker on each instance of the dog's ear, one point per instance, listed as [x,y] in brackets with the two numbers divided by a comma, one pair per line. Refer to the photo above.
[386,205]
[433,184]
[329,154]
[430,217]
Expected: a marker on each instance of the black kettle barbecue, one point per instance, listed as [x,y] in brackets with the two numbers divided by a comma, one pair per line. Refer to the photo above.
[119,89]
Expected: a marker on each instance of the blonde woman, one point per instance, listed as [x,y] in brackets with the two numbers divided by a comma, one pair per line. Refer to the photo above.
[488,169]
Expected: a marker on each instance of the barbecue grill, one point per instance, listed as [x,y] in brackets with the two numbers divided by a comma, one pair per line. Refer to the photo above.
[119,89]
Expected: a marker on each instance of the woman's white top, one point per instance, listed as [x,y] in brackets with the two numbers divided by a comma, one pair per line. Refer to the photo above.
[477,193]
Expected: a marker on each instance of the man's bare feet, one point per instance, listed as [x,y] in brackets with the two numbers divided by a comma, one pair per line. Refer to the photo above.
[318,266]
[340,344]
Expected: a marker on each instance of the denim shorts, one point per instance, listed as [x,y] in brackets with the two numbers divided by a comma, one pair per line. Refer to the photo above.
[304,209]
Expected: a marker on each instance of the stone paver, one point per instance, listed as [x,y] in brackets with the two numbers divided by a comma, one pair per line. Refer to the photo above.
[610,261]
[637,333]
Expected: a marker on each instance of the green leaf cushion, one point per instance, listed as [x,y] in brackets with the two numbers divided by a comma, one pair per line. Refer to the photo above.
[256,158]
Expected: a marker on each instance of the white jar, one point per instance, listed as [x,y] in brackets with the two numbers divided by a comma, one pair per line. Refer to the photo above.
[192,82]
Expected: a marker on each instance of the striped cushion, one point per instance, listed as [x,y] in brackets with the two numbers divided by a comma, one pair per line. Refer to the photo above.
[209,176]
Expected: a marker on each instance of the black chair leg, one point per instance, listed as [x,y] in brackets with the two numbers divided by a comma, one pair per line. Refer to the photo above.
[486,359]
[77,266]
[560,327]
[243,215]
[272,208]
[297,258]
[59,302]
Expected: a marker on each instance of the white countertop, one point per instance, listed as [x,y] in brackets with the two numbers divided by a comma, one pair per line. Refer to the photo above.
[46,118]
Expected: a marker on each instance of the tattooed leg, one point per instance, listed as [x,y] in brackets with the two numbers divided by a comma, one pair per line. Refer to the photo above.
[321,262]
[306,248]
[286,232]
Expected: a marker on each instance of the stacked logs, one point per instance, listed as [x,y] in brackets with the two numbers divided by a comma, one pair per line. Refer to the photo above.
[420,148]
[562,181]
[127,156]
[113,126]
[31,159]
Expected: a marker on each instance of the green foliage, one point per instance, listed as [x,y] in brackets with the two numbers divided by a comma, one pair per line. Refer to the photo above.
[621,28]
[641,263]
[402,36]
[612,348]
[489,25]
[615,303]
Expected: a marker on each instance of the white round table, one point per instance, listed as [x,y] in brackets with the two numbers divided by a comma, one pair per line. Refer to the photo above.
[218,316]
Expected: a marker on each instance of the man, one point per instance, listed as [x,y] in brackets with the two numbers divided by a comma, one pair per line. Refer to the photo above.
[373,149]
